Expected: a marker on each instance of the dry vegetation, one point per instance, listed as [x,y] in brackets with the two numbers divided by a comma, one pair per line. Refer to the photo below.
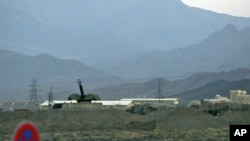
[180,123]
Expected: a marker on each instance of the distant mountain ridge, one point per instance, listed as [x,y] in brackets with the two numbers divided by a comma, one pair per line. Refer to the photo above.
[107,34]
[101,33]
[208,91]
[171,88]
[222,51]
[18,70]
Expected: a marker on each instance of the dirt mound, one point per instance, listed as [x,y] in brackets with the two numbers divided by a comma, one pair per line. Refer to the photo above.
[141,109]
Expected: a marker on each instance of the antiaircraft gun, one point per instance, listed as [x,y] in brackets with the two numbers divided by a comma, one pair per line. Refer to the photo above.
[83,97]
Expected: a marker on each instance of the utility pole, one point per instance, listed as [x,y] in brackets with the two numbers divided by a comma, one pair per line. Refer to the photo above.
[50,99]
[34,90]
[114,79]
[159,90]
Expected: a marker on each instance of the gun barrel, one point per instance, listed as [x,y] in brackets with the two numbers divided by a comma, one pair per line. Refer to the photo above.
[81,89]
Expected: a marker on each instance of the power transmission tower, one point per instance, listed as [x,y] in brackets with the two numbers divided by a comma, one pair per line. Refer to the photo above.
[34,90]
[50,99]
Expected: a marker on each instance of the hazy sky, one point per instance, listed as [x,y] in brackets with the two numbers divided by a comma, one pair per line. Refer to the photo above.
[232,7]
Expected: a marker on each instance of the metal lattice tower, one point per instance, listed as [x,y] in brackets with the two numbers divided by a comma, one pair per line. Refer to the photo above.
[34,90]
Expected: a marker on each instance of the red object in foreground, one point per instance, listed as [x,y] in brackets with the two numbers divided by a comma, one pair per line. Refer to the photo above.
[26,132]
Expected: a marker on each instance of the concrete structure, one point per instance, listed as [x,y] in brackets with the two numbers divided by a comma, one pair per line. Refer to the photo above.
[99,104]
[162,101]
[221,97]
[217,99]
[195,103]
[46,103]
[81,106]
[114,103]
[239,97]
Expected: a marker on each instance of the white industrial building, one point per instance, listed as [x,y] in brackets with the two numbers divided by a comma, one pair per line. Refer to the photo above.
[46,103]
[123,103]
[217,99]
[116,103]
[166,101]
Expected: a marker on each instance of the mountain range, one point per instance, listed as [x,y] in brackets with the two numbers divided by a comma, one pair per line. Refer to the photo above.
[18,71]
[148,45]
[222,51]
[172,88]
[102,34]
[208,91]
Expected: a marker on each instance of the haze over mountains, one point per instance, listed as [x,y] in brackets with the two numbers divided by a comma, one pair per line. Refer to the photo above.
[208,91]
[101,33]
[180,86]
[119,41]
[21,69]
[222,51]
[18,71]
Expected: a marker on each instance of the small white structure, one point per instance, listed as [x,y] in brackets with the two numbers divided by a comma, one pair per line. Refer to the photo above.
[115,103]
[218,99]
[221,97]
[46,103]
[195,103]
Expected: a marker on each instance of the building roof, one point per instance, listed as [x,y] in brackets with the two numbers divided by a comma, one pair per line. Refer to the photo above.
[149,99]
[46,103]
[112,102]
[217,100]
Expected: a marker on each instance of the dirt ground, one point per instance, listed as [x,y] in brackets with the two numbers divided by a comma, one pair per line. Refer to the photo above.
[182,123]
